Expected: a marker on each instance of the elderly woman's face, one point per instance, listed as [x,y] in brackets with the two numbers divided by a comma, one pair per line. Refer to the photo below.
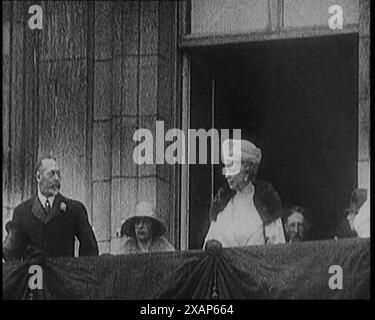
[143,230]
[240,180]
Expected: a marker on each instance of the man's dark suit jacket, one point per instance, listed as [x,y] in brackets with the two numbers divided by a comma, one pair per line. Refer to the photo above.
[55,234]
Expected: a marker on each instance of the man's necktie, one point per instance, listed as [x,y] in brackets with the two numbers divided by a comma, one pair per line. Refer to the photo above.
[48,207]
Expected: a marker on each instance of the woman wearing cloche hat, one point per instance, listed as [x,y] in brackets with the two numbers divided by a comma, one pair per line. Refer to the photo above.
[144,231]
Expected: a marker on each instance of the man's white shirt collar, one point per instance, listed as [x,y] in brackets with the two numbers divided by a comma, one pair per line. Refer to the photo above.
[43,199]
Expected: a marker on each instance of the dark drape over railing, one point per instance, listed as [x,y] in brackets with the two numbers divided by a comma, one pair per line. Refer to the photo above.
[291,271]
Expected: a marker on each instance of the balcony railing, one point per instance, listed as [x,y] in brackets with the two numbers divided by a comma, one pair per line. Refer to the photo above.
[311,270]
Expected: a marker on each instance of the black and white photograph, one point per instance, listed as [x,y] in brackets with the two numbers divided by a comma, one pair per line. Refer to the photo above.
[205,151]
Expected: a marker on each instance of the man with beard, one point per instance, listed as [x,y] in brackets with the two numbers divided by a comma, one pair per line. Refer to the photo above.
[296,224]
[51,220]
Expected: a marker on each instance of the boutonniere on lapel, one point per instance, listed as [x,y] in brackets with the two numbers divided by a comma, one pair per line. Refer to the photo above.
[63,207]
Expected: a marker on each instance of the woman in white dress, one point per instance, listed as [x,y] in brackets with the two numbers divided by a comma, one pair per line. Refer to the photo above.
[246,211]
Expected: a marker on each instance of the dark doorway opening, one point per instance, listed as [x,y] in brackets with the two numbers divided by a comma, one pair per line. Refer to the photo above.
[295,99]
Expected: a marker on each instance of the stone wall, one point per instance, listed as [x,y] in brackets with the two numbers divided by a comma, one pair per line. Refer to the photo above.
[79,89]
[133,87]
[364,97]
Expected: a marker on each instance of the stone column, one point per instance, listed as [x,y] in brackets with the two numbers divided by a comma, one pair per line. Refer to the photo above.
[20,106]
[132,89]
[364,97]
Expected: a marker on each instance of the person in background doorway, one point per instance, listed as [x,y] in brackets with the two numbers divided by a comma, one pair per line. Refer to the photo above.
[361,221]
[296,224]
[346,228]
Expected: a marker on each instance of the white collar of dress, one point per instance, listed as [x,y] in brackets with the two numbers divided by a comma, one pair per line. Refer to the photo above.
[249,189]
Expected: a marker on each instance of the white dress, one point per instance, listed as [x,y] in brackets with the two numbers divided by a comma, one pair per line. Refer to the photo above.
[362,221]
[239,224]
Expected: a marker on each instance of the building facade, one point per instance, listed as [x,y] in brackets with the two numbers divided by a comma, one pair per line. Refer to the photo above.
[97,71]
